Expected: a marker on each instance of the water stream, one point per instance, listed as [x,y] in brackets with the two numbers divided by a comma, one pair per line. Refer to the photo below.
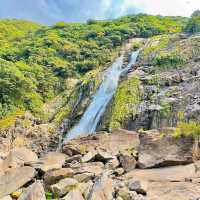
[89,121]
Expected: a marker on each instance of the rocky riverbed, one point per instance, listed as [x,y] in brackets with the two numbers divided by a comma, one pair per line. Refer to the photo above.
[122,165]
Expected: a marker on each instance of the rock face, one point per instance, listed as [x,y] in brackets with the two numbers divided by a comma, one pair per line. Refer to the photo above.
[119,140]
[157,150]
[102,189]
[14,179]
[34,192]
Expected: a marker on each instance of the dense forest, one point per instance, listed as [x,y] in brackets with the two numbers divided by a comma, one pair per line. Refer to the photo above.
[36,61]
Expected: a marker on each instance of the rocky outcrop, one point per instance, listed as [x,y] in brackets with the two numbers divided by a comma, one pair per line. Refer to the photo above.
[157,150]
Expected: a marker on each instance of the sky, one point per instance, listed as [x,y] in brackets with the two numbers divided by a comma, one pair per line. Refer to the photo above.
[51,11]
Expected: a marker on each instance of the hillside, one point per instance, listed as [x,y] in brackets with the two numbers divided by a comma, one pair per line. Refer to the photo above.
[103,110]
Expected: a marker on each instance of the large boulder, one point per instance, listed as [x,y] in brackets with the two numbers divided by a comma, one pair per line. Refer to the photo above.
[74,195]
[128,162]
[18,156]
[119,140]
[52,160]
[53,176]
[64,186]
[103,189]
[34,192]
[158,150]
[14,179]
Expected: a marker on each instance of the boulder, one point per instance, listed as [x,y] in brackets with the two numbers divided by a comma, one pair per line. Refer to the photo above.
[173,190]
[64,186]
[113,163]
[34,192]
[18,156]
[15,179]
[158,150]
[127,162]
[125,194]
[103,189]
[74,195]
[84,177]
[113,143]
[53,176]
[52,160]
[138,186]
[6,198]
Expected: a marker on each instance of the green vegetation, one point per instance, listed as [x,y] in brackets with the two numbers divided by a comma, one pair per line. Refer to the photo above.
[193,25]
[125,102]
[36,61]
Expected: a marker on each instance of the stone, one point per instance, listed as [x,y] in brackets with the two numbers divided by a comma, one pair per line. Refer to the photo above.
[125,194]
[113,143]
[18,157]
[6,198]
[87,157]
[118,171]
[74,195]
[53,176]
[15,179]
[138,186]
[34,192]
[84,177]
[173,190]
[157,150]
[102,189]
[112,164]
[167,174]
[95,168]
[87,189]
[75,158]
[127,162]
[52,160]
[64,186]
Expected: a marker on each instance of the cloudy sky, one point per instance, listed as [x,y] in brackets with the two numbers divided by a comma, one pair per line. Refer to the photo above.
[50,11]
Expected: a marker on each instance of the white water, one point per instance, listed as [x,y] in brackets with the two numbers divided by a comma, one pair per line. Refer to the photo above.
[89,121]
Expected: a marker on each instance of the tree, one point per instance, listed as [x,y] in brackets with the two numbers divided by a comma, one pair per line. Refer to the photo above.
[193,25]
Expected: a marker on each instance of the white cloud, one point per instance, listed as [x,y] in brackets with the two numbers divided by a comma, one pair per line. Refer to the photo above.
[165,7]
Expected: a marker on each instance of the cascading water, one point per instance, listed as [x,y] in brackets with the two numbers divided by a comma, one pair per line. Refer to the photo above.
[90,119]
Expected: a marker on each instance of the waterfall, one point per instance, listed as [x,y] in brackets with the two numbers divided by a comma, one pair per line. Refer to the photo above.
[89,121]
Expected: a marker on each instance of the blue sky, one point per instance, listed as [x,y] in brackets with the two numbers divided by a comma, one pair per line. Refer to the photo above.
[51,11]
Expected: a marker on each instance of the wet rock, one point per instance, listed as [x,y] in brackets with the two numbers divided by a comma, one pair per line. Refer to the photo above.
[15,179]
[53,176]
[128,162]
[52,160]
[157,150]
[74,195]
[34,192]
[112,143]
[138,186]
[17,157]
[64,186]
[103,189]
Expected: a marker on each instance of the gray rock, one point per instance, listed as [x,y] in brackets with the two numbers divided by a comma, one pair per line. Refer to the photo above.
[18,156]
[138,186]
[103,189]
[14,179]
[74,195]
[52,160]
[64,186]
[53,176]
[128,162]
[34,192]
[157,150]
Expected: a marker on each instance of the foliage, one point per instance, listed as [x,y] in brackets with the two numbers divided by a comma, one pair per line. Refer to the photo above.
[36,60]
[193,25]
[125,101]
[190,128]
